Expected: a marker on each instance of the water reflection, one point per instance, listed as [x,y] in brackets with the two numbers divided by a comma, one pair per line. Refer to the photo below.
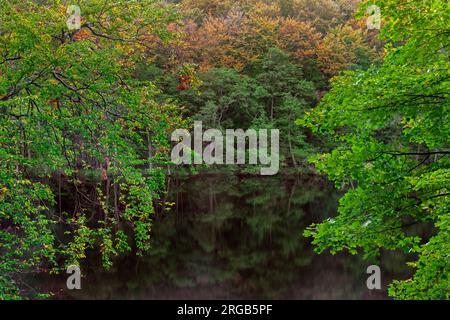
[233,237]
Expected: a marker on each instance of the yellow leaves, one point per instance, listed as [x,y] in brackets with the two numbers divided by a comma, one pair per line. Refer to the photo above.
[339,49]
[3,191]
[25,182]
[271,10]
[53,103]
[83,34]
[238,39]
[243,33]
[104,174]
[298,37]
[168,206]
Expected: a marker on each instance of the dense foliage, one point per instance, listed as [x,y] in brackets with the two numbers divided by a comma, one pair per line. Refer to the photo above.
[260,64]
[80,136]
[391,130]
[86,115]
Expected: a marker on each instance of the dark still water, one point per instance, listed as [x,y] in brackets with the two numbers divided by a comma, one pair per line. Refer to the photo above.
[230,237]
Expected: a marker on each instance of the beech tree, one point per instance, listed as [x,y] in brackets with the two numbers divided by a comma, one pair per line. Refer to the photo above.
[80,138]
[390,125]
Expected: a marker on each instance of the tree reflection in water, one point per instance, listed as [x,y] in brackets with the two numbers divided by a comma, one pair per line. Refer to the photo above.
[231,236]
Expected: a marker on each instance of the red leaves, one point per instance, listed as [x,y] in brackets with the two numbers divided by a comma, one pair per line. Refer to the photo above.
[185,80]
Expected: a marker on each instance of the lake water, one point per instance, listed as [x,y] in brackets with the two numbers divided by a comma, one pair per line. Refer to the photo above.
[237,237]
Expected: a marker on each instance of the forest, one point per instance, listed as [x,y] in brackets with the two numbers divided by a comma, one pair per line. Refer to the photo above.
[92,90]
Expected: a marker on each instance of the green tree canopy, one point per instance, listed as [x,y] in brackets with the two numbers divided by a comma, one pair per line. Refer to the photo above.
[391,128]
[76,127]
